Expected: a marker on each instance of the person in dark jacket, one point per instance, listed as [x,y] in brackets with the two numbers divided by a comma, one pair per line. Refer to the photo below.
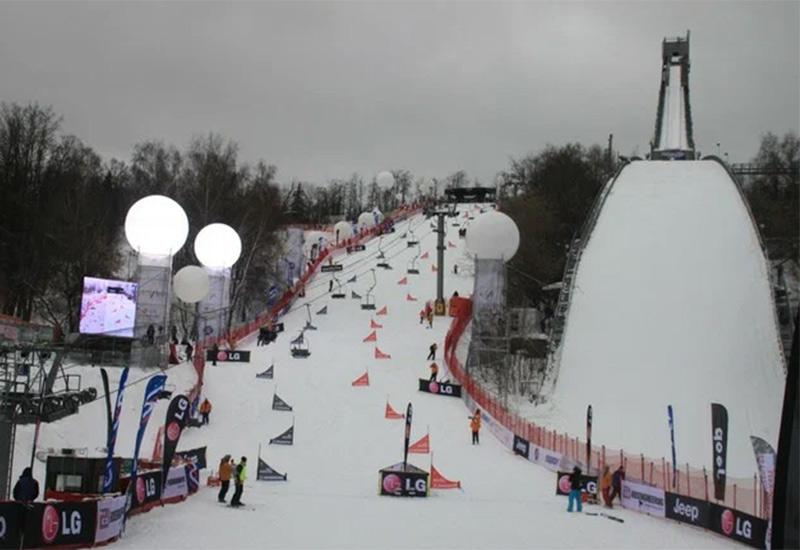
[616,484]
[432,352]
[575,489]
[215,352]
[189,351]
[26,489]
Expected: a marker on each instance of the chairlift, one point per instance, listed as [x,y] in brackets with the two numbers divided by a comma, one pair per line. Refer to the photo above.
[338,294]
[412,239]
[369,299]
[412,265]
[309,326]
[381,255]
[299,347]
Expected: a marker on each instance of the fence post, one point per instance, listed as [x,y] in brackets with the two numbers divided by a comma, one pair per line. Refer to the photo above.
[621,458]
[664,473]
[734,496]
[705,481]
[755,495]
[688,481]
[651,472]
[641,458]
[603,447]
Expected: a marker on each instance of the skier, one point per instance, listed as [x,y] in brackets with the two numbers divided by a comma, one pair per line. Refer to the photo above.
[434,371]
[616,484]
[422,316]
[205,410]
[432,353]
[475,426]
[225,468]
[240,476]
[575,489]
[26,490]
[455,269]
[605,486]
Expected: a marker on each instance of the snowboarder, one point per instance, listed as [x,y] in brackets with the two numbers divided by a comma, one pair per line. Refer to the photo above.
[432,352]
[455,269]
[225,468]
[605,486]
[616,484]
[475,426]
[434,371]
[575,489]
[26,490]
[240,476]
[205,410]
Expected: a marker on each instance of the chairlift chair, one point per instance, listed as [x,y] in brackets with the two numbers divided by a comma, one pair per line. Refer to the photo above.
[309,326]
[381,255]
[412,265]
[412,239]
[338,294]
[299,347]
[369,300]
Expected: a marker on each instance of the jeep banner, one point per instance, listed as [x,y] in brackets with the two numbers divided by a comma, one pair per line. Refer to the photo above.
[521,446]
[229,356]
[588,484]
[719,443]
[643,498]
[110,514]
[440,388]
[60,524]
[687,509]
[737,525]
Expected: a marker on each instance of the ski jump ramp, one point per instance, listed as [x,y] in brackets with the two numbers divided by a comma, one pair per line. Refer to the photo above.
[671,305]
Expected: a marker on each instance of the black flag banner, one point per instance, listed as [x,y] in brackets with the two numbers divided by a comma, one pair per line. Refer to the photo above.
[195,456]
[104,375]
[268,374]
[323,311]
[719,443]
[408,435]
[352,279]
[588,439]
[286,438]
[355,295]
[177,415]
[267,473]
[279,404]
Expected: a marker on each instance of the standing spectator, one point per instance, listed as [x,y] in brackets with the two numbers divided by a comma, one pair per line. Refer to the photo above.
[575,489]
[475,426]
[225,469]
[26,489]
[151,334]
[430,318]
[422,316]
[240,477]
[616,484]
[214,353]
[432,352]
[434,372]
[205,410]
[605,486]
[189,351]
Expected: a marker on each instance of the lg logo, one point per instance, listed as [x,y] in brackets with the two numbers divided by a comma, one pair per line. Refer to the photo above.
[419,485]
[733,525]
[229,356]
[70,523]
[2,527]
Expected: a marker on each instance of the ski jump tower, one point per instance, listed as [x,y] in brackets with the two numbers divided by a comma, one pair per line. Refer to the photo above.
[674,139]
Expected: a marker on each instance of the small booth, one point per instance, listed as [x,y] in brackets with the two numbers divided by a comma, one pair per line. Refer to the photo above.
[404,480]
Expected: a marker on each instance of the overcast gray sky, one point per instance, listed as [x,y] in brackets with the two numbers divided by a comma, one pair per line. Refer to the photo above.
[326,89]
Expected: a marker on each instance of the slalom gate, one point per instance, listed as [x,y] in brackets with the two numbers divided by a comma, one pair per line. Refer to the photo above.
[684,497]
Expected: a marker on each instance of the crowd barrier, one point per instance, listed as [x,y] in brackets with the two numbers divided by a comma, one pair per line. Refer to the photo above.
[78,521]
[745,499]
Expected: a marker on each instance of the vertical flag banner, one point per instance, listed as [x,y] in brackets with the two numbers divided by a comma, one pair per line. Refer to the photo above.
[588,439]
[177,416]
[154,387]
[672,441]
[108,478]
[408,435]
[107,390]
[719,442]
[765,457]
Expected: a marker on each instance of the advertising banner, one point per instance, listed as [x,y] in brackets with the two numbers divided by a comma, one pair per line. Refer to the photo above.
[110,515]
[229,356]
[286,438]
[440,388]
[279,404]
[177,415]
[737,525]
[60,524]
[588,484]
[154,387]
[147,489]
[407,435]
[268,473]
[108,477]
[687,510]
[331,267]
[545,457]
[719,443]
[356,248]
[193,476]
[395,482]
[671,420]
[765,458]
[175,486]
[10,519]
[643,498]
[195,456]
[521,446]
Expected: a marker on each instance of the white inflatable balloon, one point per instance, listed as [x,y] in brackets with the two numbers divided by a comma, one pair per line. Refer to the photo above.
[377,215]
[493,236]
[191,284]
[385,180]
[344,228]
[366,219]
[217,246]
[156,226]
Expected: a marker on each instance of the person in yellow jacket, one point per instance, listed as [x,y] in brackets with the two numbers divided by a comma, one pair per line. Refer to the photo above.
[240,475]
[605,486]
[475,426]
[225,470]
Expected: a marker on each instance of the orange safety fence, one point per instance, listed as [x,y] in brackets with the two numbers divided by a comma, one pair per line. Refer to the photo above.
[743,494]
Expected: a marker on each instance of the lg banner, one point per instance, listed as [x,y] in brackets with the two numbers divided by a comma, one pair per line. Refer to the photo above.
[177,415]
[229,356]
[110,514]
[60,524]
[643,498]
[719,442]
[147,489]
[588,484]
[440,388]
[738,525]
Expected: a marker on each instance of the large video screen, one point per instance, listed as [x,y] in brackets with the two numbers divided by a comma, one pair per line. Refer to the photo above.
[108,307]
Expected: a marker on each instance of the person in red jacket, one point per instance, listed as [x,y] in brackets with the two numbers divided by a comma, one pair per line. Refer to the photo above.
[475,426]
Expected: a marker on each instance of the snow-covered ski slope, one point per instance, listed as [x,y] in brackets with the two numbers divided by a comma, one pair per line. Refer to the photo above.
[674,132]
[671,305]
[342,439]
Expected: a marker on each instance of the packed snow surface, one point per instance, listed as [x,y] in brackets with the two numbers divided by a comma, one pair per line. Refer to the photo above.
[674,132]
[671,305]
[342,438]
